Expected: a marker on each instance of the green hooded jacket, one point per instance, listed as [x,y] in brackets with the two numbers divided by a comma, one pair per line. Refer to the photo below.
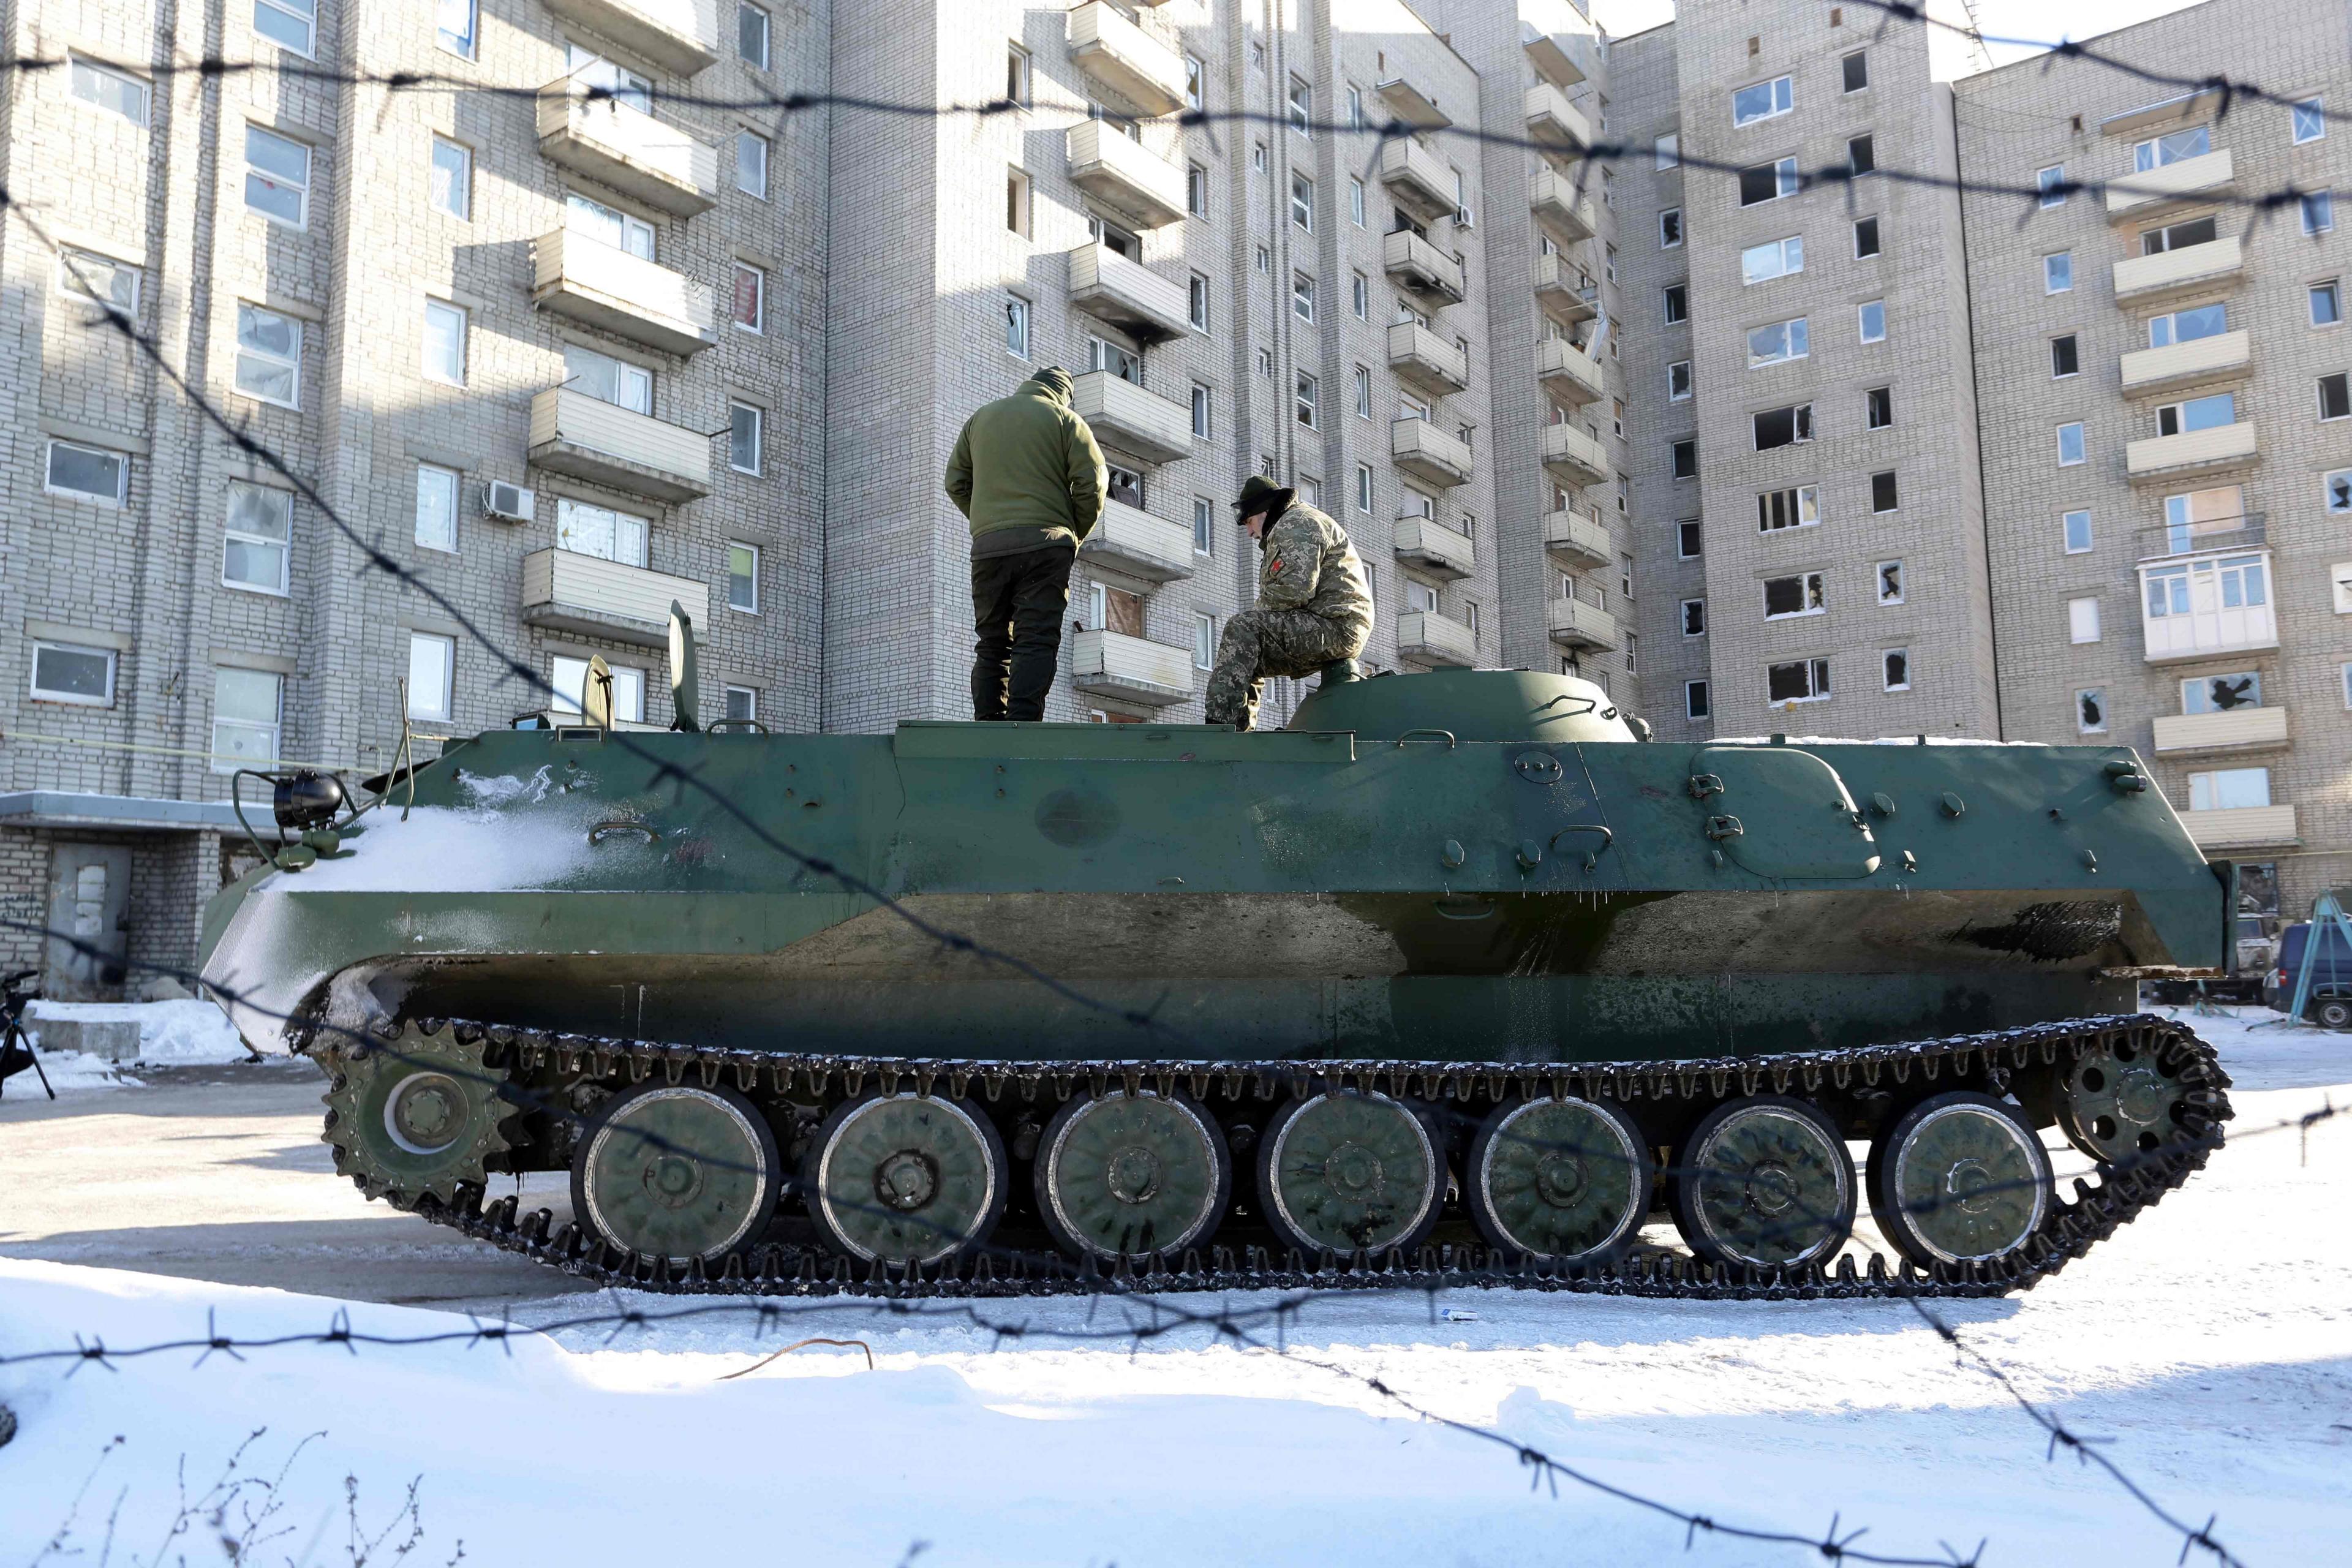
[1026,472]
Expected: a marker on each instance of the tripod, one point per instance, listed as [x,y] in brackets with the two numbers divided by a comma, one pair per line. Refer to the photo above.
[16,1051]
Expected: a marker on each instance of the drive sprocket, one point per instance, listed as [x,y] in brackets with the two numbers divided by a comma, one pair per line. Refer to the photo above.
[416,1114]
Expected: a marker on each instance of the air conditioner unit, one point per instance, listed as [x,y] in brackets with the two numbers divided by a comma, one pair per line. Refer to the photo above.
[1463,218]
[510,501]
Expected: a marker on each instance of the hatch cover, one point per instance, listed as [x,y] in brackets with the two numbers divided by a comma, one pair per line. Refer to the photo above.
[1781,811]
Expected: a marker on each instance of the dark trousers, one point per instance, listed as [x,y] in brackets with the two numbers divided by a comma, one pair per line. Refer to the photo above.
[1017,605]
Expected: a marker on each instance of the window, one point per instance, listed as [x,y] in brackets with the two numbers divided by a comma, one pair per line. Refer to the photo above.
[1302,201]
[2091,710]
[1355,201]
[2335,398]
[1767,182]
[1676,303]
[1854,70]
[743,577]
[2052,183]
[1678,381]
[453,179]
[1259,157]
[104,88]
[2326,304]
[445,342]
[245,719]
[276,177]
[1196,190]
[742,702]
[2307,120]
[1764,100]
[1016,202]
[1364,487]
[1682,459]
[1797,595]
[1776,341]
[101,280]
[618,382]
[1872,318]
[436,508]
[569,676]
[66,672]
[1694,613]
[751,168]
[1689,542]
[1420,597]
[1865,238]
[750,306]
[2058,272]
[1204,525]
[2220,693]
[2198,514]
[1879,408]
[2077,529]
[1883,491]
[2335,486]
[608,225]
[1124,485]
[1668,151]
[746,437]
[1196,75]
[1016,325]
[1416,503]
[87,473]
[1694,700]
[1773,258]
[1670,229]
[431,669]
[591,69]
[2070,445]
[2229,789]
[600,531]
[2318,212]
[1799,506]
[1204,641]
[1802,680]
[453,24]
[2066,359]
[2158,151]
[1861,155]
[1783,426]
[2187,326]
[1895,666]
[1361,296]
[268,356]
[1302,297]
[2178,235]
[1308,390]
[2083,620]
[1266,361]
[292,22]
[752,40]
[1355,106]
[1203,426]
[1889,576]
[259,535]
[1363,392]
[1302,106]
[2206,413]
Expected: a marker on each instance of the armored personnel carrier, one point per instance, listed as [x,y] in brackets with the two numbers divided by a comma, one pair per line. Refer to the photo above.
[1453,979]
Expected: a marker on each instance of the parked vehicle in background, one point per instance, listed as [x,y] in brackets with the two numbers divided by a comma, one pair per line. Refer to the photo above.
[2330,1003]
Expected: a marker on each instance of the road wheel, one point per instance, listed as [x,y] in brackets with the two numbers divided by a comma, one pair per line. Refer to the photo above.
[1764,1181]
[906,1178]
[677,1170]
[1347,1170]
[1958,1178]
[1131,1175]
[1558,1180]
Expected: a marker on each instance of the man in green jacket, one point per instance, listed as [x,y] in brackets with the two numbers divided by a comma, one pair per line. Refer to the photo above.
[1028,477]
[1314,603]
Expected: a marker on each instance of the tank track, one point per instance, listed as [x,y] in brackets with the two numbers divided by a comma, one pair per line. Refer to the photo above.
[2070,1229]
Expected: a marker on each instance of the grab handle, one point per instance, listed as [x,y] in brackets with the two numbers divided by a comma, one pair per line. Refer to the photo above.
[1445,735]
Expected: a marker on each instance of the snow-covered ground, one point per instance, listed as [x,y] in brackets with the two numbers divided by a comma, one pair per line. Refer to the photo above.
[184,1033]
[2210,1343]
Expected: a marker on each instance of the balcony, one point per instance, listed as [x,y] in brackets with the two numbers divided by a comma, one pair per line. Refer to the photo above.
[1574,457]
[1421,267]
[1560,207]
[2236,534]
[1576,542]
[1429,454]
[1126,293]
[572,433]
[1143,424]
[2221,357]
[598,598]
[1423,359]
[1568,372]
[2207,605]
[1418,178]
[1554,54]
[2145,278]
[1576,625]
[606,288]
[1131,669]
[1562,293]
[1409,105]
[1137,70]
[1132,542]
[1554,123]
[680,35]
[1434,550]
[2149,192]
[1427,637]
[2189,454]
[2241,827]
[635,154]
[2234,730]
[1143,187]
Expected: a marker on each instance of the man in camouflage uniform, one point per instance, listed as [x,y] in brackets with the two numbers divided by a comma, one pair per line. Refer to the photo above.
[1314,605]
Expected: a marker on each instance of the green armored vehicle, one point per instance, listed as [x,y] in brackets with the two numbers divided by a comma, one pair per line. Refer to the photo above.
[1452,980]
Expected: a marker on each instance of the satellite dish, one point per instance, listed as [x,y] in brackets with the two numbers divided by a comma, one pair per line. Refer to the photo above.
[597,693]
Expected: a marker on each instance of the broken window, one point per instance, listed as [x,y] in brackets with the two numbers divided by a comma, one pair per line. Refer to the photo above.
[2091,709]
[1784,426]
[1796,508]
[2220,693]
[1890,582]
[1896,662]
[1798,596]
[1801,681]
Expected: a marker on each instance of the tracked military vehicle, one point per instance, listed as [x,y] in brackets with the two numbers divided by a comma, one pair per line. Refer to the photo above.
[1453,979]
